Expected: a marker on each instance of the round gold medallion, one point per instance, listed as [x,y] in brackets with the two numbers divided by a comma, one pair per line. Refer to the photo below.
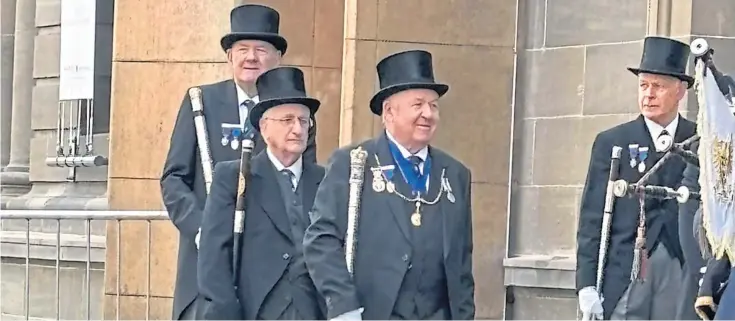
[416,219]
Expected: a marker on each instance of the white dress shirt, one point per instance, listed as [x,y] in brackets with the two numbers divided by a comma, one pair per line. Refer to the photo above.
[296,168]
[656,129]
[242,97]
[423,153]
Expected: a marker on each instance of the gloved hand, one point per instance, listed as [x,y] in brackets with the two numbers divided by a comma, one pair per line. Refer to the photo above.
[590,302]
[705,307]
[196,238]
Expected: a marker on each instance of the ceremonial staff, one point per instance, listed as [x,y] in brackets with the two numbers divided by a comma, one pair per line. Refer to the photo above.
[200,126]
[606,221]
[358,156]
[239,226]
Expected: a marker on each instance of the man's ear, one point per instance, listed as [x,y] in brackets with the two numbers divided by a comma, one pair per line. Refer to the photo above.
[682,89]
[229,55]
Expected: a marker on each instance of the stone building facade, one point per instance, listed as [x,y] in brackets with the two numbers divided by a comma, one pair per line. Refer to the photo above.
[532,82]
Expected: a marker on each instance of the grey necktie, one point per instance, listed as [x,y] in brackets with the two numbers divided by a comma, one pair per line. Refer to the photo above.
[248,105]
[290,176]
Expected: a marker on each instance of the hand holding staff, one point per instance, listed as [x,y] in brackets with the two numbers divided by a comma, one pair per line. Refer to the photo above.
[239,227]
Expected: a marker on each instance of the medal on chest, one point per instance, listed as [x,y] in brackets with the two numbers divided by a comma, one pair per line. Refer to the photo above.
[383,182]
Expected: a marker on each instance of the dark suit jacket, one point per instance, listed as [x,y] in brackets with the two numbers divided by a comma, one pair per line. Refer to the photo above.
[384,243]
[182,180]
[718,272]
[267,241]
[661,216]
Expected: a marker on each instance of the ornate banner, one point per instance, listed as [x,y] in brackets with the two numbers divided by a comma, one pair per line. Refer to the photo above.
[77,49]
[716,127]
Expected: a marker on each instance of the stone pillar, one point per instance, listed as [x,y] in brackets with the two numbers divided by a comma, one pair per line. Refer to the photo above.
[51,187]
[15,178]
[7,36]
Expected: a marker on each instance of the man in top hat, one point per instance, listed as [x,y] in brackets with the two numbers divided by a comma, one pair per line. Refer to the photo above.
[411,255]
[252,47]
[651,293]
[274,283]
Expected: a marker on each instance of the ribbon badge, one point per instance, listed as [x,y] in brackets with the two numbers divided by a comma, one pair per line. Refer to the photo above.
[232,134]
[642,156]
[633,151]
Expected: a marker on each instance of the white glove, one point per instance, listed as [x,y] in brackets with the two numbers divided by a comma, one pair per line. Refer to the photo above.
[354,315]
[590,302]
[196,238]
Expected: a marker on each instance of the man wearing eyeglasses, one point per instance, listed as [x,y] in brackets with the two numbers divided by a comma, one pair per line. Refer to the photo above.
[273,281]
[253,46]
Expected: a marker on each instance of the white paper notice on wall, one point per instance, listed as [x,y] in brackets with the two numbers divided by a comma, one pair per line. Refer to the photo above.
[77,49]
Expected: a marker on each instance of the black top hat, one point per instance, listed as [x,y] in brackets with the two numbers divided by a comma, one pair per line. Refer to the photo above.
[256,22]
[278,86]
[405,70]
[664,56]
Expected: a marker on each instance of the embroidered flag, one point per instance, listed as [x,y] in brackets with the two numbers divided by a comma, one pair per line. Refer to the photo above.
[716,127]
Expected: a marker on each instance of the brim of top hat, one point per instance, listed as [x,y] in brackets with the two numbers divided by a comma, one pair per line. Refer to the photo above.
[276,40]
[376,103]
[689,79]
[260,108]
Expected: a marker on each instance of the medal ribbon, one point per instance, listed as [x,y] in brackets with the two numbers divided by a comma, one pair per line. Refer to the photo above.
[413,179]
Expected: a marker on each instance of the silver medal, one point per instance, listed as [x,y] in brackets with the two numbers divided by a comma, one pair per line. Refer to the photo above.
[224,141]
[378,184]
[390,187]
[235,143]
[641,167]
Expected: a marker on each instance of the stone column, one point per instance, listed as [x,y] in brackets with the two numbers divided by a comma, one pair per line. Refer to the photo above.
[7,34]
[15,178]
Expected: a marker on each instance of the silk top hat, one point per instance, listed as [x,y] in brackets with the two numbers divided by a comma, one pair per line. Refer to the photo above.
[279,86]
[664,56]
[405,70]
[254,22]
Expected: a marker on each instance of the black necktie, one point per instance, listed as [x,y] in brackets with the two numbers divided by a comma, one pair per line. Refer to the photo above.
[290,176]
[416,162]
[664,133]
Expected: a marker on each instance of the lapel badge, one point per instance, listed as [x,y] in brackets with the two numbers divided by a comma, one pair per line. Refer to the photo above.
[448,188]
[663,143]
[643,155]
[231,133]
[633,151]
[387,172]
[378,181]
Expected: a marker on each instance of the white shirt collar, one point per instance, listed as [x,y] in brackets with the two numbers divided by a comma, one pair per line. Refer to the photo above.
[656,129]
[296,168]
[242,96]
[423,153]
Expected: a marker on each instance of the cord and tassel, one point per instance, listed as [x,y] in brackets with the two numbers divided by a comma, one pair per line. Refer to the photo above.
[640,254]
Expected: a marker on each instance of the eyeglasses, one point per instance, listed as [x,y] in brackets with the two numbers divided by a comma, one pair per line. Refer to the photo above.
[305,122]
